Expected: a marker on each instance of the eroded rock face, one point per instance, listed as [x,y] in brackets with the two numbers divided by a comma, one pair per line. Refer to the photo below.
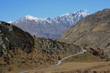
[107,53]
[12,37]
[50,46]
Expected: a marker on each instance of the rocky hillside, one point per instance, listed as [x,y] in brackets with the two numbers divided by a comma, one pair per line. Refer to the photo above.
[19,51]
[49,27]
[50,46]
[92,31]
[12,37]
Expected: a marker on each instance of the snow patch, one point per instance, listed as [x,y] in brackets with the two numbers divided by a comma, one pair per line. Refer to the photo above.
[29,17]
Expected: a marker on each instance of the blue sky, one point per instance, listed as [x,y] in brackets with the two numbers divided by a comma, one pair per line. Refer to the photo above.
[11,10]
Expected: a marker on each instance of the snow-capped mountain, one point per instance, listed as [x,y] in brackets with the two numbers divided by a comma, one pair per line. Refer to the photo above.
[49,27]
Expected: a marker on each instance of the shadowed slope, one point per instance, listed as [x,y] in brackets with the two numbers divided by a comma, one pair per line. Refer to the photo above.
[92,31]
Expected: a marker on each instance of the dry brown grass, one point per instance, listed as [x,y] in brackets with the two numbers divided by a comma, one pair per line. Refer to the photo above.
[86,57]
[75,66]
[81,63]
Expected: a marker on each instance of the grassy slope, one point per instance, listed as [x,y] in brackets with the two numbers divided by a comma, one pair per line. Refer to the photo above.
[87,57]
[81,62]
[69,66]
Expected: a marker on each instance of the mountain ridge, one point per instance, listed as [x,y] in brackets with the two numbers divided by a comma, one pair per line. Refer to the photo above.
[29,17]
[49,27]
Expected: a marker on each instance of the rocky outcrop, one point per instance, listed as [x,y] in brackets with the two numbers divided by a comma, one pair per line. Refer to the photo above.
[96,52]
[49,46]
[91,31]
[15,47]
[12,37]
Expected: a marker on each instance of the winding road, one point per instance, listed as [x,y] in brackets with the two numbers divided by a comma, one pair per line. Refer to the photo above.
[59,62]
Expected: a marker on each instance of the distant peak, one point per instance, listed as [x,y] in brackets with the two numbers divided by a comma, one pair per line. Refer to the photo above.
[66,14]
[30,17]
[10,21]
[85,10]
[81,11]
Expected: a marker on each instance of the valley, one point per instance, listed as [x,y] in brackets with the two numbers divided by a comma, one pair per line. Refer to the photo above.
[79,67]
[59,62]
[83,48]
[80,64]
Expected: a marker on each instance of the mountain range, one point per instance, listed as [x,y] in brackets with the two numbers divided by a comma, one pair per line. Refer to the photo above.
[20,51]
[49,27]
